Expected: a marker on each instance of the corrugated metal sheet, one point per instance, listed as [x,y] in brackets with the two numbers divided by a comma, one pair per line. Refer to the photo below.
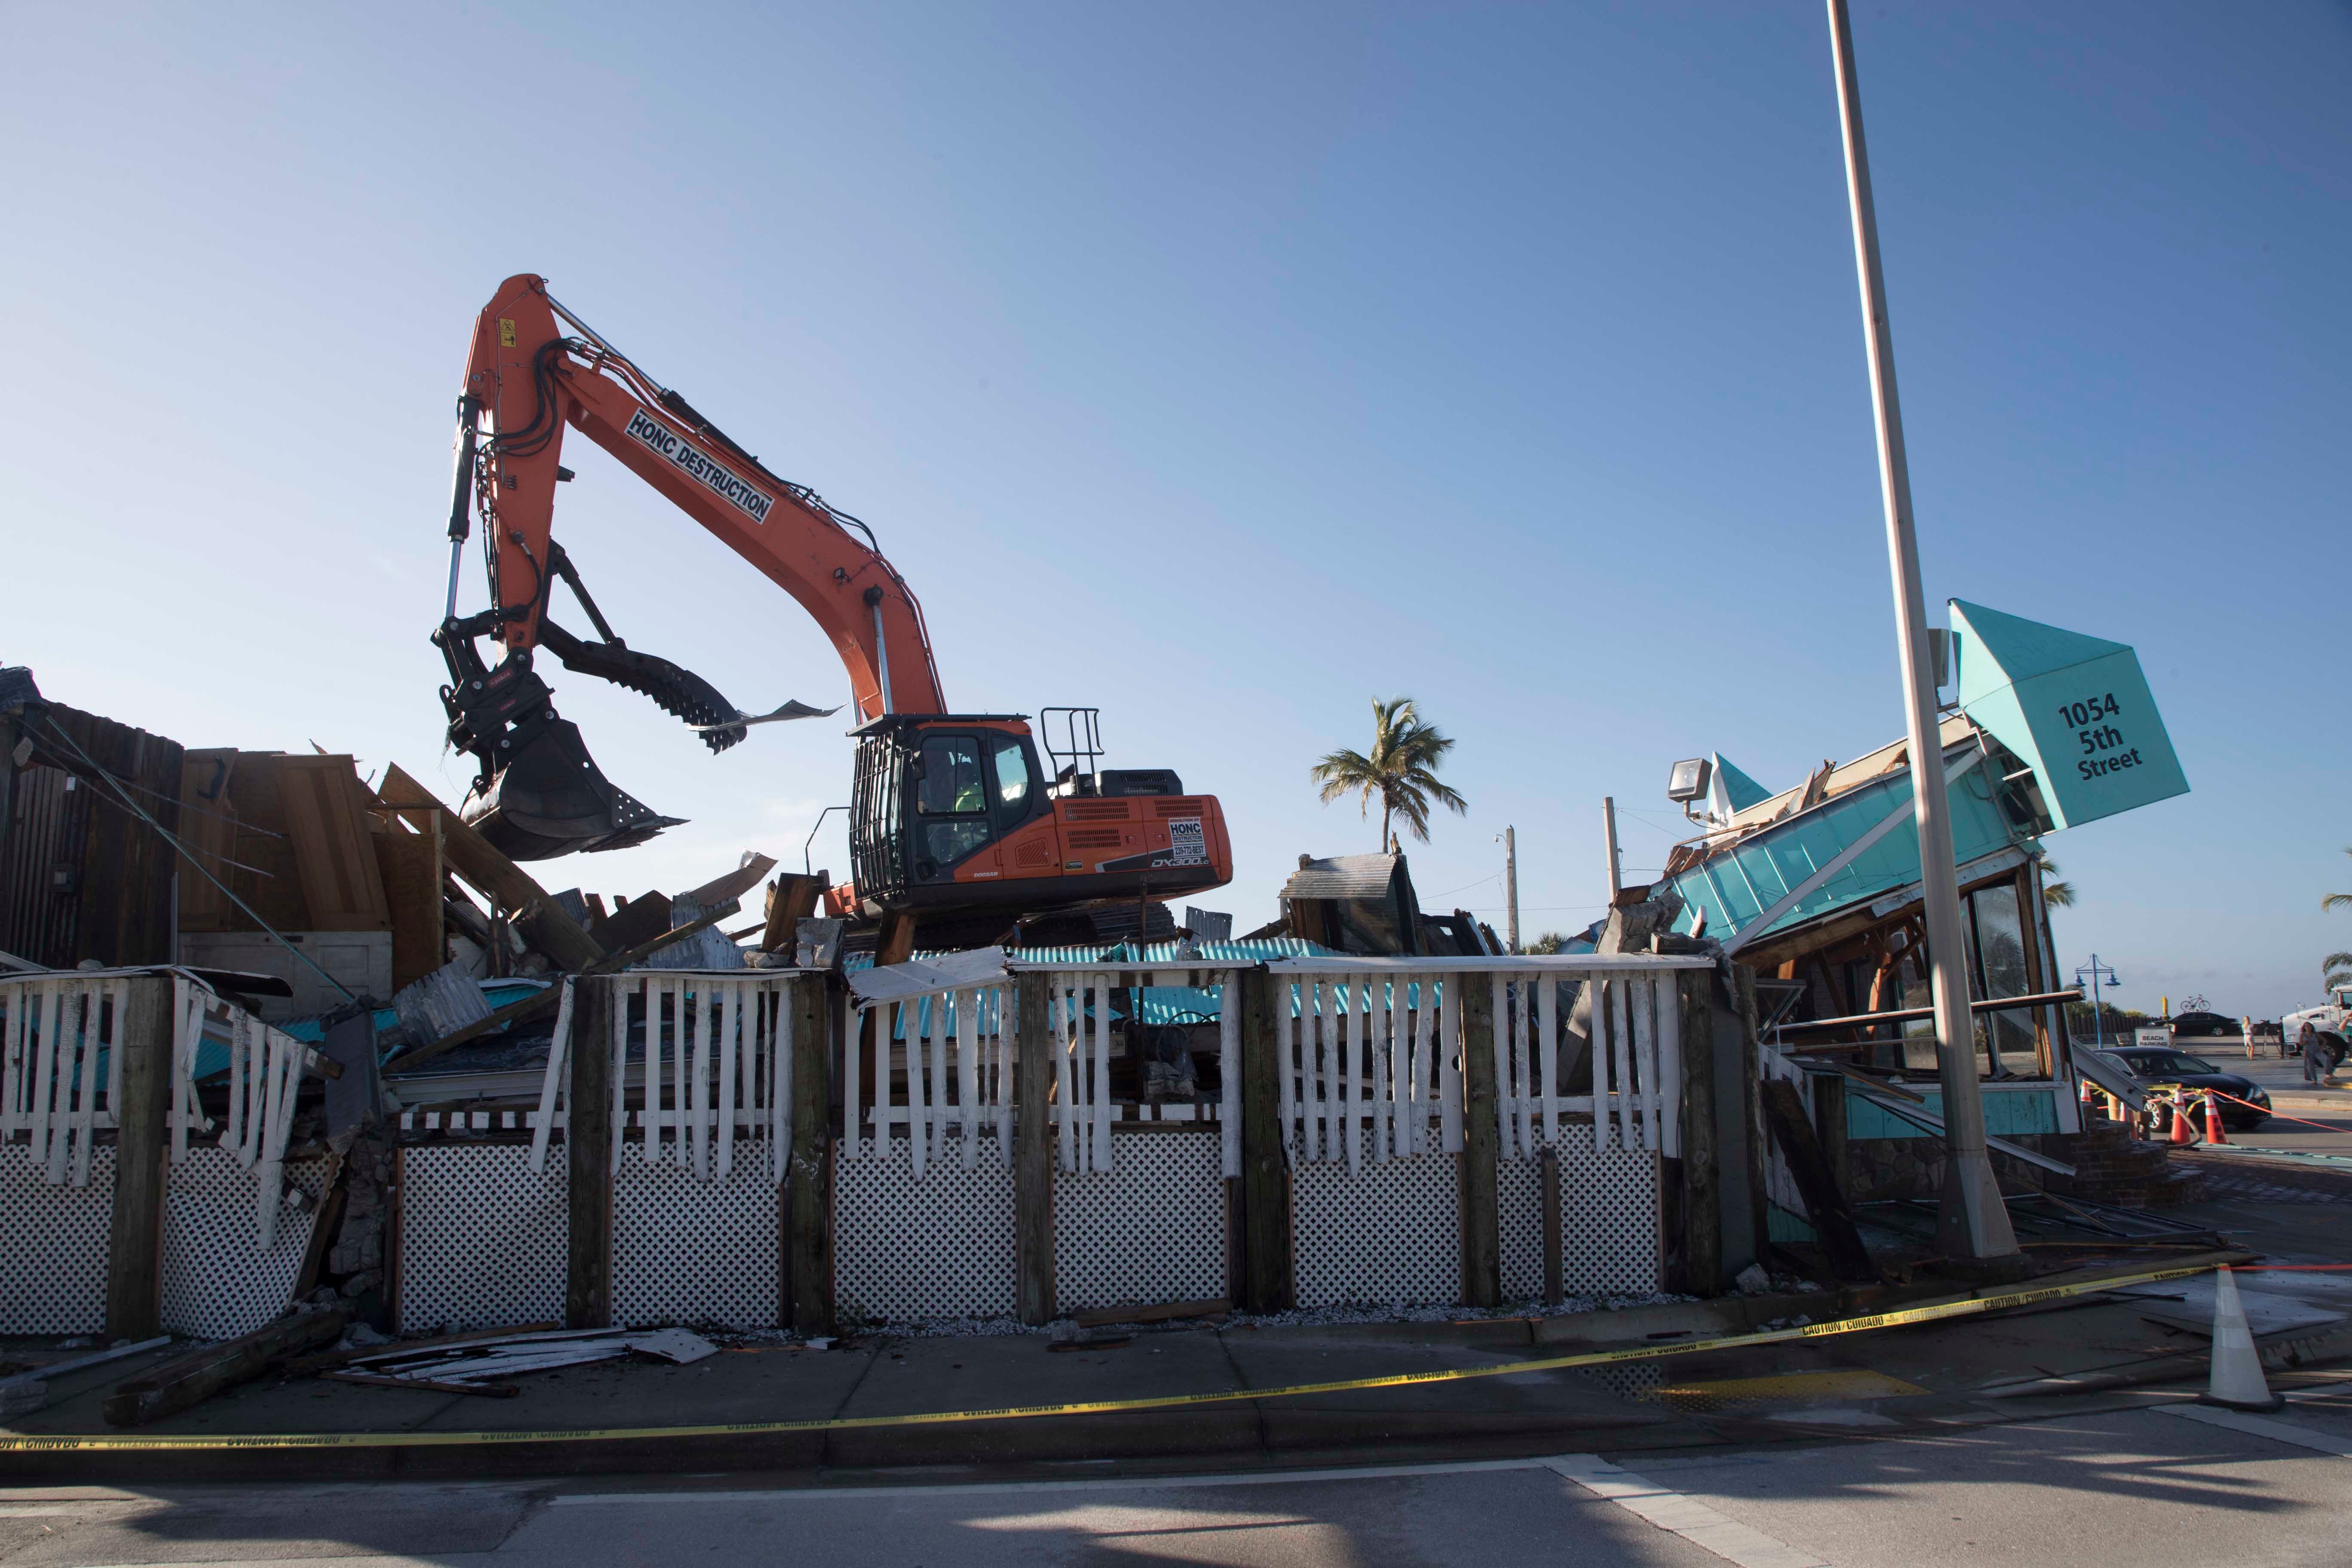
[441,1004]
[1161,1004]
[1155,955]
[1343,877]
[80,874]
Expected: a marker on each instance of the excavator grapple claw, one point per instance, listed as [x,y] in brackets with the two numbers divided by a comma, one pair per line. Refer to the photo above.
[550,799]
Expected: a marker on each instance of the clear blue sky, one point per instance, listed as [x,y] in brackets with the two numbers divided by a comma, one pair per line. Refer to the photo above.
[1224,366]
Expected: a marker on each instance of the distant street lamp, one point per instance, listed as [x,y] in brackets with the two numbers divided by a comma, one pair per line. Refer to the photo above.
[2094,971]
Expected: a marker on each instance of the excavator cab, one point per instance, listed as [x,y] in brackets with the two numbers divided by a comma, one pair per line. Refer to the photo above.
[954,812]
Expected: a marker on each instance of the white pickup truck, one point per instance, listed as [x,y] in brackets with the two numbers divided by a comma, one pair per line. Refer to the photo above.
[2330,1018]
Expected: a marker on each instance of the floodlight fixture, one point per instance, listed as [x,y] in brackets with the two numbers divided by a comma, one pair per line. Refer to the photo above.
[1689,779]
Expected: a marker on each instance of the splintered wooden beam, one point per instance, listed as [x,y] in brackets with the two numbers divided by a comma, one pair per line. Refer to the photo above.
[791,900]
[197,1376]
[485,865]
[1825,1202]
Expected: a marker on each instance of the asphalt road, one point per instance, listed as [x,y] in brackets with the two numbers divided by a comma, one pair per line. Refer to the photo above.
[2137,1489]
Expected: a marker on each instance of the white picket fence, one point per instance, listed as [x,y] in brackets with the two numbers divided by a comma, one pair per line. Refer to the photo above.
[957,1038]
[717,1048]
[1366,1047]
[55,1028]
[1359,1045]
[956,1048]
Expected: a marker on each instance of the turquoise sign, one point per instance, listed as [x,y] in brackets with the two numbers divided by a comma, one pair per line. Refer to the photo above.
[2076,709]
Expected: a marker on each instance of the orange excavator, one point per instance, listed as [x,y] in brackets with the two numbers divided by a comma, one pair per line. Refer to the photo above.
[953,822]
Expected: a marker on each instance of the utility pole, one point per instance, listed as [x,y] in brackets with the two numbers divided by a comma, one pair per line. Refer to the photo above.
[1972,1221]
[1511,888]
[1608,842]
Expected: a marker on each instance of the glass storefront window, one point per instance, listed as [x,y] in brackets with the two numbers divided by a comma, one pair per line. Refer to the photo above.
[1999,964]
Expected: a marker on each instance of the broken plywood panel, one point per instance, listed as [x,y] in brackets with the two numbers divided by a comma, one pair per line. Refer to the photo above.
[333,857]
[410,863]
[507,886]
[209,827]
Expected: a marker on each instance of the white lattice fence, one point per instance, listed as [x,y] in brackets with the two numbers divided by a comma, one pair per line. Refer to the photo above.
[940,1245]
[217,1283]
[53,1247]
[694,1251]
[1518,1227]
[1150,1229]
[1611,1237]
[1377,1233]
[482,1240]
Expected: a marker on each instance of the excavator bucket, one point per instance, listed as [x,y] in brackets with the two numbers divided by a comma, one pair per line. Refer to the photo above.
[551,799]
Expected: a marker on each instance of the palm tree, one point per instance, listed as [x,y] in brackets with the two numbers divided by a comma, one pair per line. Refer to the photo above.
[2055,895]
[1401,770]
[2336,900]
[2335,969]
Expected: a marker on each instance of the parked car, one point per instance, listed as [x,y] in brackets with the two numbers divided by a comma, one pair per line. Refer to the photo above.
[2154,1065]
[2187,1025]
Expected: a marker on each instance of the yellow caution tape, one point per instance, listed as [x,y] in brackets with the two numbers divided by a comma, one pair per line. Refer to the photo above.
[1933,1312]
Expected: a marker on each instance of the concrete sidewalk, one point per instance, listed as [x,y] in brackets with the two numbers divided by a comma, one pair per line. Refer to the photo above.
[1886,1379]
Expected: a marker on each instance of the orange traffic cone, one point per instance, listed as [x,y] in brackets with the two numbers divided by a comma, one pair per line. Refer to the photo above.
[2088,1100]
[2183,1129]
[2213,1118]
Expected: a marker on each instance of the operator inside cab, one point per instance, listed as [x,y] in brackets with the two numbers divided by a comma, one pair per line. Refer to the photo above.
[951,788]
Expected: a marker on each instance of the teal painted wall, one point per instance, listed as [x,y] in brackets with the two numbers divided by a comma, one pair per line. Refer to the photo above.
[2008,1113]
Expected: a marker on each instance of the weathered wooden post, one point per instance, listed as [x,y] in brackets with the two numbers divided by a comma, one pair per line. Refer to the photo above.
[135,1263]
[1829,1126]
[1756,1139]
[588,1154]
[808,1184]
[1268,1281]
[1482,1249]
[1033,1152]
[1702,1198]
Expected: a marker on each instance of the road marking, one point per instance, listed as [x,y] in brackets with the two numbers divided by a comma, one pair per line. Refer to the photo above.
[1803,1387]
[2256,1426]
[1135,1483]
[1686,1517]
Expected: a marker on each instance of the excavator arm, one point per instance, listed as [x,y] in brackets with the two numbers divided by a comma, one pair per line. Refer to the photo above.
[953,820]
[527,379]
